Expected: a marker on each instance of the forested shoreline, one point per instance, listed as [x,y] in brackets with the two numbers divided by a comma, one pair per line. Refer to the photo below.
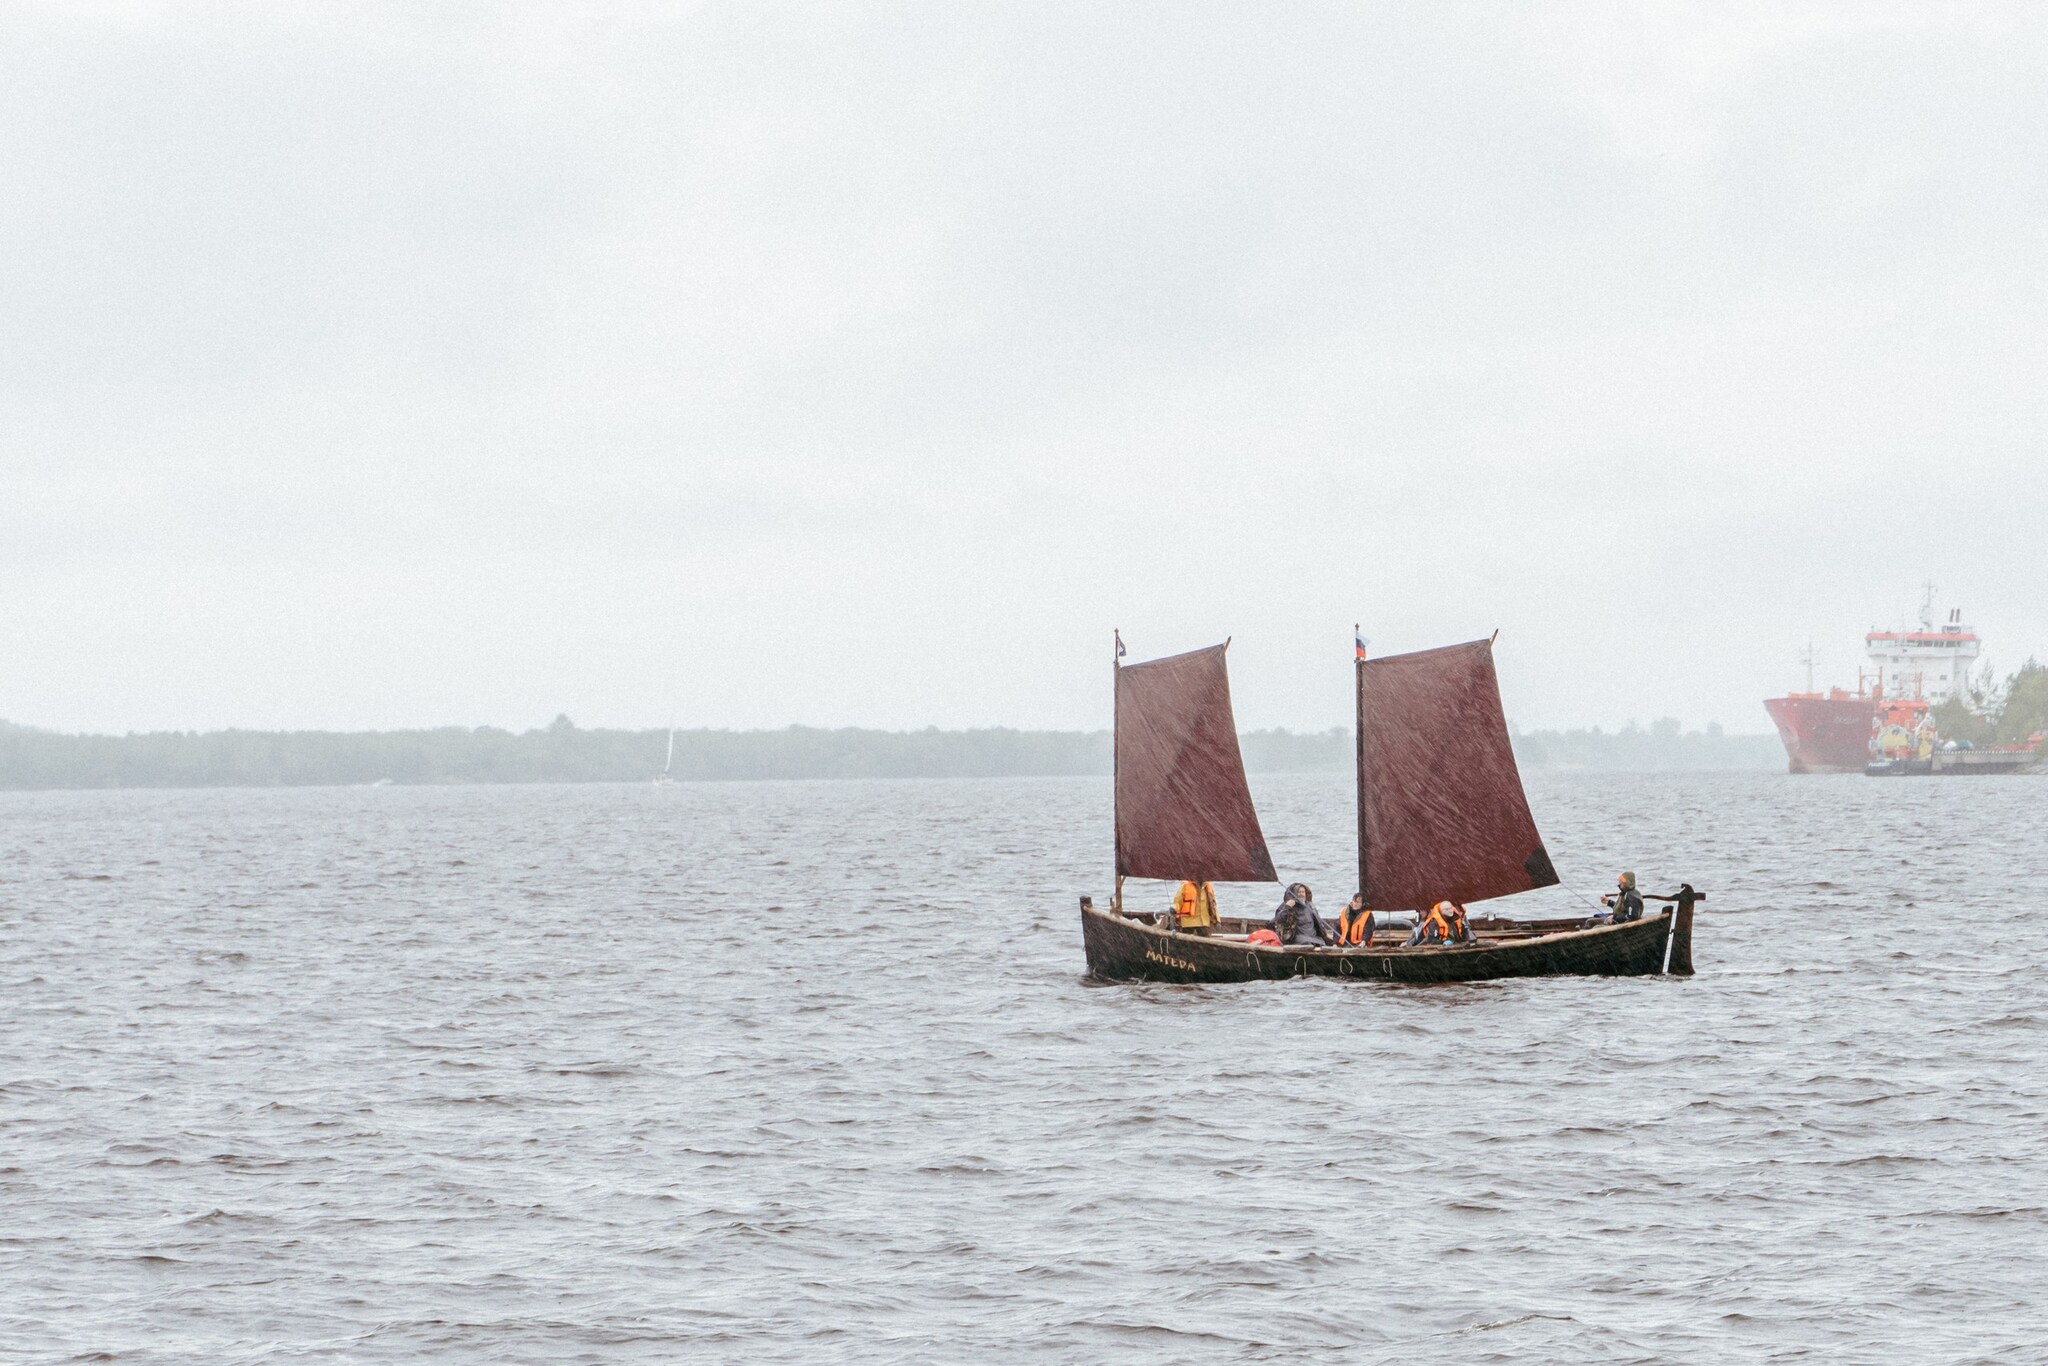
[563,752]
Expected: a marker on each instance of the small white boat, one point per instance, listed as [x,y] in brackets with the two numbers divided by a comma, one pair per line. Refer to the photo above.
[662,779]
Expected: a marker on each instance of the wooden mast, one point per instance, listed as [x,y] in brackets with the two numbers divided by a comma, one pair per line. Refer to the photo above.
[1116,820]
[1359,731]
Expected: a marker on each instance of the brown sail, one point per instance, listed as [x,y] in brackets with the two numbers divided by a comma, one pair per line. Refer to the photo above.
[1441,812]
[1182,807]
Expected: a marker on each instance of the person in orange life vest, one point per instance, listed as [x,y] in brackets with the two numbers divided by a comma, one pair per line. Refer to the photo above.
[1194,908]
[1461,931]
[1354,922]
[1445,924]
[1431,928]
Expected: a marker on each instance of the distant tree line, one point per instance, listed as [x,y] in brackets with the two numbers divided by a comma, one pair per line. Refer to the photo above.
[1988,712]
[564,752]
[558,753]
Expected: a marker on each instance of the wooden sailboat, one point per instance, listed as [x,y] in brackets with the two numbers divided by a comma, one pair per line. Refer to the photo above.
[1441,816]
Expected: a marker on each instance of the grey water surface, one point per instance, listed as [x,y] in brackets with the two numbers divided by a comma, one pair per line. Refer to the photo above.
[810,1072]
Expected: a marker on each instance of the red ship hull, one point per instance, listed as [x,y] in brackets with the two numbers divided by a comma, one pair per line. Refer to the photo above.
[1824,734]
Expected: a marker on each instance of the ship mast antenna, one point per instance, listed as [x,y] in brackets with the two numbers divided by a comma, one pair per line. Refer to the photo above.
[1808,659]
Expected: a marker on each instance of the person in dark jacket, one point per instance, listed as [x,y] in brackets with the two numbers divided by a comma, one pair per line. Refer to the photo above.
[1296,922]
[1626,903]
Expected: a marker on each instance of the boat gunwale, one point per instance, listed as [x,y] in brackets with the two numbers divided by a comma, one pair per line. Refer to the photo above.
[1123,949]
[1363,951]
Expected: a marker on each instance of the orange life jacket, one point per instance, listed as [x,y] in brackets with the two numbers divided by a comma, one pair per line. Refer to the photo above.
[1354,927]
[1189,902]
[1436,926]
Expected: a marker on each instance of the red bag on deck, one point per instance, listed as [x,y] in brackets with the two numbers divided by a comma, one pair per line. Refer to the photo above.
[1263,937]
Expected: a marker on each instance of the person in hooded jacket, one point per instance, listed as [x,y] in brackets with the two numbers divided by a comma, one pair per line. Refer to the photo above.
[1627,903]
[1296,921]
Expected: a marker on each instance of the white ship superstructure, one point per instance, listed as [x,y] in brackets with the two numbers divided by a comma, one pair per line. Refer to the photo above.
[1931,663]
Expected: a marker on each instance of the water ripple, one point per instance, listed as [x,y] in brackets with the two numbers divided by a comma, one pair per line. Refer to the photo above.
[809,1072]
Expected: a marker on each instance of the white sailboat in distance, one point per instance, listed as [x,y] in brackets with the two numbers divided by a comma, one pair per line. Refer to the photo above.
[662,779]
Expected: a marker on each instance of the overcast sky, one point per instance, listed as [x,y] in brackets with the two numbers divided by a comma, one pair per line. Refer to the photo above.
[745,364]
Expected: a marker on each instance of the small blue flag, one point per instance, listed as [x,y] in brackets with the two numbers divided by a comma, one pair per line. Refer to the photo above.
[1119,644]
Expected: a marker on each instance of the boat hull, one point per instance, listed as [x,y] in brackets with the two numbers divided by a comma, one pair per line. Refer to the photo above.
[1954,762]
[1123,949]
[1823,734]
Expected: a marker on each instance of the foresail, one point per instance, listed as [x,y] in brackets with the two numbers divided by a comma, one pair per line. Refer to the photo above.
[1441,807]
[1183,809]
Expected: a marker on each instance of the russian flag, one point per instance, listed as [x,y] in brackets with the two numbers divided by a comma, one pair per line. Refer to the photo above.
[1361,642]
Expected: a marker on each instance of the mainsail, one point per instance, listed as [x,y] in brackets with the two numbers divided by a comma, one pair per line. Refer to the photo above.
[1441,812]
[1182,807]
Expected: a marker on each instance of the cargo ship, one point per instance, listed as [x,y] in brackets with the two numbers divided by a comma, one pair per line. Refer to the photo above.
[1906,674]
[1824,733]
